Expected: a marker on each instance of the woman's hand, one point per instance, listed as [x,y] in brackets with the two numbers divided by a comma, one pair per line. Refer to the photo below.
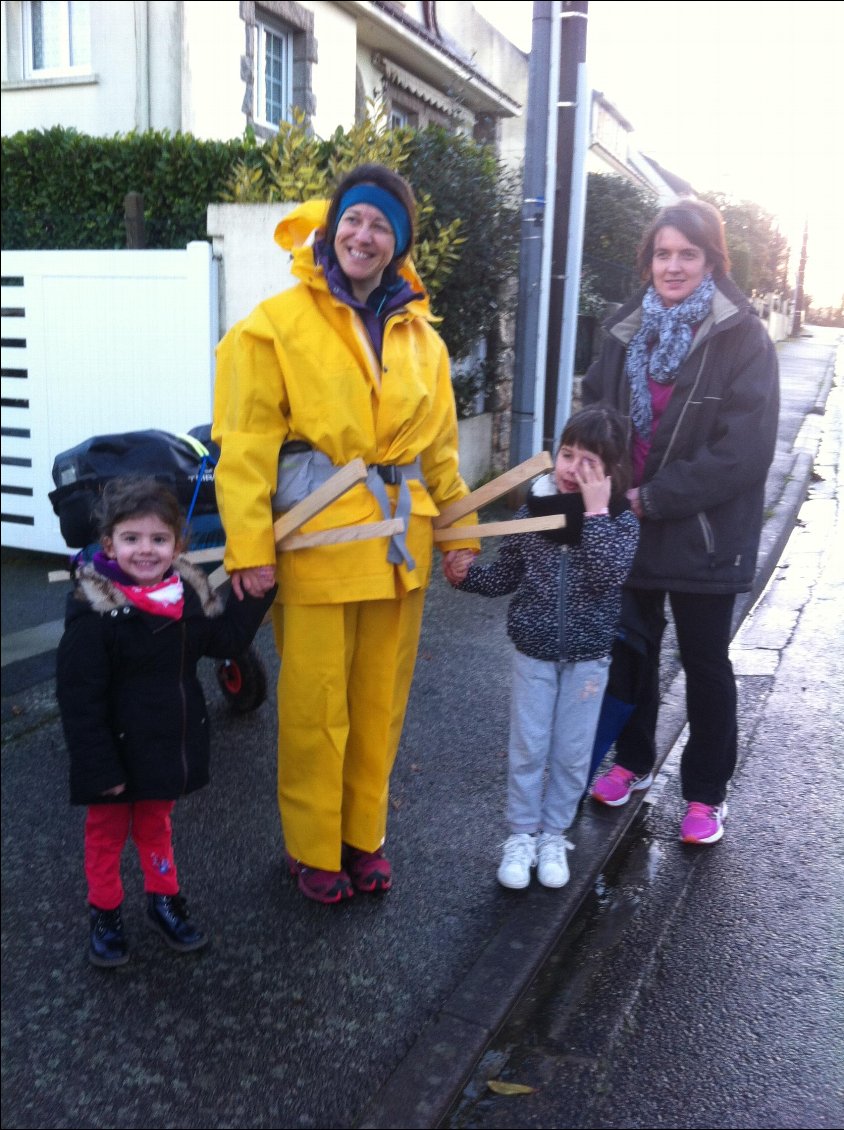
[595,486]
[635,503]
[456,564]
[116,791]
[256,581]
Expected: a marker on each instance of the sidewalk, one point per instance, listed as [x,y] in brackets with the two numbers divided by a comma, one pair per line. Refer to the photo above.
[372,1014]
[436,1067]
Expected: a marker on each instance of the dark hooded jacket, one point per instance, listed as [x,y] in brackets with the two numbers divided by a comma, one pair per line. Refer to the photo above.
[703,486]
[132,707]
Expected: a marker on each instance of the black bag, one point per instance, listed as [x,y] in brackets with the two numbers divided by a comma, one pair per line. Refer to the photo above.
[81,472]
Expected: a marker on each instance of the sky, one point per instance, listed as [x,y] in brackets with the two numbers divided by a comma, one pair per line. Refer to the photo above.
[741,98]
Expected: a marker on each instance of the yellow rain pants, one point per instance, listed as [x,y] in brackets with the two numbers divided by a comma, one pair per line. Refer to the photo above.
[343,687]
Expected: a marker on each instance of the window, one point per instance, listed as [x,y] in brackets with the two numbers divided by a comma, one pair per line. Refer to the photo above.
[280,53]
[57,37]
[273,79]
[400,117]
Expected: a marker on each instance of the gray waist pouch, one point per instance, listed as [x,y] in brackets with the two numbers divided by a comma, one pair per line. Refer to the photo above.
[302,468]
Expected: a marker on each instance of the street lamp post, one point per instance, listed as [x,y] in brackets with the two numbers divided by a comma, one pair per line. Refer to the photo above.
[797,320]
[552,226]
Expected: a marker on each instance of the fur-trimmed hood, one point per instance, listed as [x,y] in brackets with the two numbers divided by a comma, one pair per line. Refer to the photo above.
[103,596]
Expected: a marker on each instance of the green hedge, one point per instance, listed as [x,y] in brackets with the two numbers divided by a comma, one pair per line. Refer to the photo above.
[64,190]
[467,183]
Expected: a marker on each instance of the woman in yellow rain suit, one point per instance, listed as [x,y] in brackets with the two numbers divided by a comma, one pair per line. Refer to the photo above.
[345,364]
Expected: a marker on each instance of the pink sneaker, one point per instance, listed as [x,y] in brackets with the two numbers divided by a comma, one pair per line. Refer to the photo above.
[369,871]
[615,787]
[703,823]
[321,886]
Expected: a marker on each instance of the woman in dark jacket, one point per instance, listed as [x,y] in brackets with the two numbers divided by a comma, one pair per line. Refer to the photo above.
[133,712]
[691,366]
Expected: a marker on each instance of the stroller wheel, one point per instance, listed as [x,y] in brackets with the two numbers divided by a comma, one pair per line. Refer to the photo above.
[243,682]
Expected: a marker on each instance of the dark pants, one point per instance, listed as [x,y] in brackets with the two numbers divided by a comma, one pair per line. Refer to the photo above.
[703,626]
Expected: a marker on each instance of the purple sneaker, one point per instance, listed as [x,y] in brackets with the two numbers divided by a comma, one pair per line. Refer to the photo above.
[616,785]
[703,823]
[369,871]
[321,886]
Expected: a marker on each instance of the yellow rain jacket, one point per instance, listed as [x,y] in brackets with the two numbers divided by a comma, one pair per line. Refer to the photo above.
[301,367]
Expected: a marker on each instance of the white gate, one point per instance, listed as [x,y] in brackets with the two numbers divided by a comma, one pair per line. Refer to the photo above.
[95,342]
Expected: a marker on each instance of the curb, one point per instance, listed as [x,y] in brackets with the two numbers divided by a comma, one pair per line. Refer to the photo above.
[431,1077]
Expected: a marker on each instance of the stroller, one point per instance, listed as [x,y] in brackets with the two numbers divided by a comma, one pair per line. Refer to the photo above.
[186,464]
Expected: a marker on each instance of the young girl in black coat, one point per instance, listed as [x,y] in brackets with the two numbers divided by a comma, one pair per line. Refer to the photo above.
[133,712]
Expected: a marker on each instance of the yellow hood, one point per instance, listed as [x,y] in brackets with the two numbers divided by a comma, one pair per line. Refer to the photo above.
[297,226]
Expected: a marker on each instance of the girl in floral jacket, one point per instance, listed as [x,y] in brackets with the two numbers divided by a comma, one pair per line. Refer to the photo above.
[562,619]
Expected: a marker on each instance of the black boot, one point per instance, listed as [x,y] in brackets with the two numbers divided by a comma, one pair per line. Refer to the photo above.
[108,943]
[170,916]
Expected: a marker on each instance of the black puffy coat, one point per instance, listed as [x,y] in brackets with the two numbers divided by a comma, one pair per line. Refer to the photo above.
[132,707]
[703,487]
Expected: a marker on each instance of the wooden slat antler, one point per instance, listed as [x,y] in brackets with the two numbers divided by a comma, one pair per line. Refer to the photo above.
[445,531]
[293,519]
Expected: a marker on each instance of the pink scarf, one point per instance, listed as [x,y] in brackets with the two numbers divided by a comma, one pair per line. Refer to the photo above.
[167,598]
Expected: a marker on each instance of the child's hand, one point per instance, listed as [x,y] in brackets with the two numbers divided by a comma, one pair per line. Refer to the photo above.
[456,564]
[256,581]
[116,791]
[594,485]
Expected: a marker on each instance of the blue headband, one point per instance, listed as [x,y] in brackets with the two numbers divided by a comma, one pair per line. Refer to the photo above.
[385,202]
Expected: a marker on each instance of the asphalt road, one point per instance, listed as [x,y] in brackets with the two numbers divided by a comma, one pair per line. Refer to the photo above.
[373,1013]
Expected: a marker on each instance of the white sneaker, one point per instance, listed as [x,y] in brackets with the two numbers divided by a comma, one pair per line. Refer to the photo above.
[517,858]
[553,869]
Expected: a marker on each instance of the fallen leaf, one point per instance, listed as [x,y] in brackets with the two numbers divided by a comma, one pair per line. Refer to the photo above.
[501,1088]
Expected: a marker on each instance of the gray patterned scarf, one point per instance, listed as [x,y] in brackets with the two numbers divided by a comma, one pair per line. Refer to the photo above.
[671,328]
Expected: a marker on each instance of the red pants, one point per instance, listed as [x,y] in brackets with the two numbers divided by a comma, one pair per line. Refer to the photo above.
[107,827]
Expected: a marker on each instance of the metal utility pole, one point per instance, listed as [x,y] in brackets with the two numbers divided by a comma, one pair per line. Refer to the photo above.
[552,226]
[797,320]
[532,311]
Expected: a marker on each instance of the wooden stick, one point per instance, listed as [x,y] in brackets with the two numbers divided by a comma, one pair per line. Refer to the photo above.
[203,556]
[195,556]
[498,529]
[316,501]
[218,578]
[490,491]
[342,534]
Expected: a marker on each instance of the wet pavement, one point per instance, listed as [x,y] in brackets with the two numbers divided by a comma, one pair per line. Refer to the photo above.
[374,1013]
[702,988]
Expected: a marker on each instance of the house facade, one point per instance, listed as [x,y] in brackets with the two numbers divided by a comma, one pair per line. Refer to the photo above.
[211,70]
[612,151]
[214,70]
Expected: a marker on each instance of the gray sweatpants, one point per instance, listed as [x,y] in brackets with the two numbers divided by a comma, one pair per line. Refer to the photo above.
[554,712]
